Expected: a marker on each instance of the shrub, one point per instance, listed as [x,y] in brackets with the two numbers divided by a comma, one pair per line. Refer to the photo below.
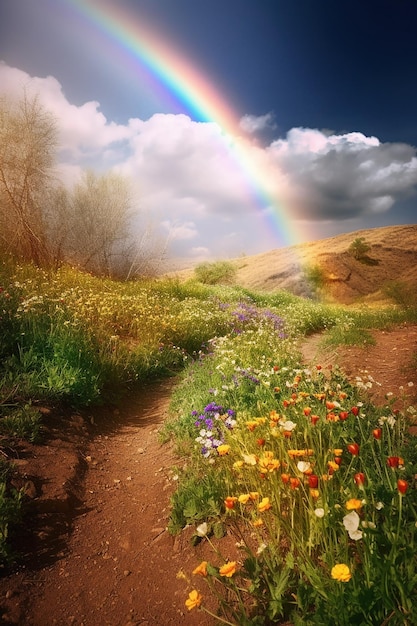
[215,273]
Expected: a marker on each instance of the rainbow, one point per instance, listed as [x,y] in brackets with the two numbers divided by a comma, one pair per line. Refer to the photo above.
[189,87]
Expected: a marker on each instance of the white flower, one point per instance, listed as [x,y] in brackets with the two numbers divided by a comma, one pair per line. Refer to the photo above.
[355,534]
[379,506]
[261,548]
[288,425]
[303,466]
[250,459]
[319,512]
[351,522]
[202,529]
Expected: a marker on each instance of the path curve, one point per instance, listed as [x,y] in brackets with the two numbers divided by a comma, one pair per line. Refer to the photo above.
[118,565]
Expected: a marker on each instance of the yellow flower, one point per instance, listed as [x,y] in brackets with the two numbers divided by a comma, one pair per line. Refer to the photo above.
[353,504]
[243,498]
[201,569]
[258,522]
[237,465]
[228,569]
[264,505]
[223,449]
[194,599]
[341,572]
[338,451]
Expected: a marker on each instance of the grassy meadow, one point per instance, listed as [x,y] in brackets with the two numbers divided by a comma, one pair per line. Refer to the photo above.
[317,483]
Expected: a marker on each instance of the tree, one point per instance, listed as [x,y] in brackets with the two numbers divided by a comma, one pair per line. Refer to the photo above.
[90,224]
[359,248]
[28,139]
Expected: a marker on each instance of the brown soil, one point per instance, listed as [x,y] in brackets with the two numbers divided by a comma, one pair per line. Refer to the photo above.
[96,550]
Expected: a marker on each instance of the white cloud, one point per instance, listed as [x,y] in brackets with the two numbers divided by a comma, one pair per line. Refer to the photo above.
[196,183]
[253,124]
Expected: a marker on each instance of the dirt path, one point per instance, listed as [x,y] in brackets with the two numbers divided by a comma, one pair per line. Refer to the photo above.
[113,563]
[97,552]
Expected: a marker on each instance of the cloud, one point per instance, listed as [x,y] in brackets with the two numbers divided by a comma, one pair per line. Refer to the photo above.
[341,176]
[253,124]
[201,185]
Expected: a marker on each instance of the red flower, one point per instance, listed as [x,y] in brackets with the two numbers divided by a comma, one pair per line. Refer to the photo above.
[360,478]
[377,433]
[354,410]
[402,485]
[343,415]
[313,481]
[338,460]
[393,461]
[260,442]
[314,419]
[353,448]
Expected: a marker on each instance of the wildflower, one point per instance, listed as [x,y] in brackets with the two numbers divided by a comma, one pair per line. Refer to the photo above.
[338,451]
[228,569]
[223,449]
[359,478]
[258,522]
[341,572]
[307,410]
[353,504]
[351,523]
[314,419]
[230,502]
[313,481]
[294,483]
[261,548]
[244,498]
[355,410]
[202,529]
[288,426]
[237,465]
[319,512]
[201,569]
[264,505]
[353,448]
[250,459]
[377,433]
[393,461]
[343,415]
[304,467]
[194,599]
[285,478]
[402,486]
[254,495]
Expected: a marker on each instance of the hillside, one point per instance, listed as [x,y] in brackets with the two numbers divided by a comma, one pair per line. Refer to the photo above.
[392,256]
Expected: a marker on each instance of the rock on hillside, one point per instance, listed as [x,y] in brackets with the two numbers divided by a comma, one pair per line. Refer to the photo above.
[392,256]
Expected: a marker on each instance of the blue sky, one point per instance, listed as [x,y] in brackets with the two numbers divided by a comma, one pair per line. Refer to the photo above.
[327,90]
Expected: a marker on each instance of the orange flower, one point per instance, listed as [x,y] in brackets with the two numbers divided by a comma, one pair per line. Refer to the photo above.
[230,502]
[254,495]
[194,599]
[294,483]
[264,505]
[228,569]
[353,504]
[201,569]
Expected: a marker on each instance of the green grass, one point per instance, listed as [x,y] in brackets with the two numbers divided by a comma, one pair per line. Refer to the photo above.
[71,338]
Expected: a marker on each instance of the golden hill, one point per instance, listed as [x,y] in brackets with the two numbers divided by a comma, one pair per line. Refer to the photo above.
[392,257]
